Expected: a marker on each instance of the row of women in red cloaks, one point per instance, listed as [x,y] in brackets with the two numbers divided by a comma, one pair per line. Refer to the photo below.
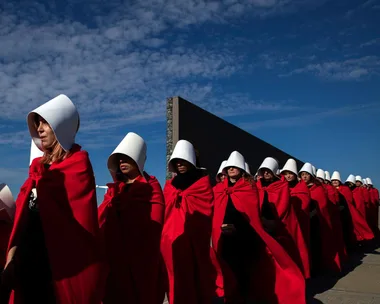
[265,236]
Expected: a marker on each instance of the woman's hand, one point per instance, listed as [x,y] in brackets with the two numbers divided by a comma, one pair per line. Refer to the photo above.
[8,277]
[10,256]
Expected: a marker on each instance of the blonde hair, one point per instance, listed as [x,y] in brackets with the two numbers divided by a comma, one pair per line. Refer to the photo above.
[54,154]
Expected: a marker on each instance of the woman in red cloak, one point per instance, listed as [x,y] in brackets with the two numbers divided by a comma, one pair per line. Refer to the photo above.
[55,232]
[247,254]
[374,198]
[360,185]
[130,220]
[185,240]
[323,248]
[300,200]
[355,227]
[358,196]
[333,197]
[278,212]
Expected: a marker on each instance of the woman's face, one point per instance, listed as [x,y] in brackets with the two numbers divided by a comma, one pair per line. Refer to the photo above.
[335,183]
[182,166]
[233,172]
[358,184]
[267,174]
[289,176]
[45,133]
[128,166]
[306,177]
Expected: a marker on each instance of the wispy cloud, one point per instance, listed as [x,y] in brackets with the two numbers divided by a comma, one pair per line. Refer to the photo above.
[371,42]
[242,105]
[121,64]
[311,117]
[274,60]
[14,138]
[351,69]
[369,4]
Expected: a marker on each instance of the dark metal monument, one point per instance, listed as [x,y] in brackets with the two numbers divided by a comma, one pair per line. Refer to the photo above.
[215,138]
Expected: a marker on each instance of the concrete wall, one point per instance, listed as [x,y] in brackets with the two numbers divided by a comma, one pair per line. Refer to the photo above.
[215,138]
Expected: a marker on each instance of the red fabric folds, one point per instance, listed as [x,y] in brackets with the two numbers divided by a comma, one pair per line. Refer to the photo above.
[374,197]
[366,195]
[333,196]
[288,230]
[68,211]
[367,204]
[131,223]
[185,242]
[359,201]
[275,278]
[330,256]
[361,231]
[332,193]
[373,210]
[300,199]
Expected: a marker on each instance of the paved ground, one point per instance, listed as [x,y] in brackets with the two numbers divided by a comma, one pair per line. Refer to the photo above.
[360,284]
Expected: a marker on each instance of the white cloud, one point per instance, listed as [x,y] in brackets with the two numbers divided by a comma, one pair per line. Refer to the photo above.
[121,64]
[272,60]
[351,69]
[370,42]
[311,117]
[13,139]
[369,3]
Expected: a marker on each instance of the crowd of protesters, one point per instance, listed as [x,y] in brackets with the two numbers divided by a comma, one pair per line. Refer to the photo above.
[251,238]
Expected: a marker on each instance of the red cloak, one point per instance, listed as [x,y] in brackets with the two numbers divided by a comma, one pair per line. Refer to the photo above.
[275,276]
[374,195]
[367,198]
[361,229]
[373,210]
[367,204]
[131,223]
[185,242]
[300,199]
[359,201]
[288,230]
[332,193]
[333,196]
[68,212]
[330,256]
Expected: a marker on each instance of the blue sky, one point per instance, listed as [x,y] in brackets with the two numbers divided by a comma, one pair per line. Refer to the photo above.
[302,75]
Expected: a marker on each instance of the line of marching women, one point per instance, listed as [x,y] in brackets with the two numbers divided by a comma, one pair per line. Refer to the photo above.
[268,232]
